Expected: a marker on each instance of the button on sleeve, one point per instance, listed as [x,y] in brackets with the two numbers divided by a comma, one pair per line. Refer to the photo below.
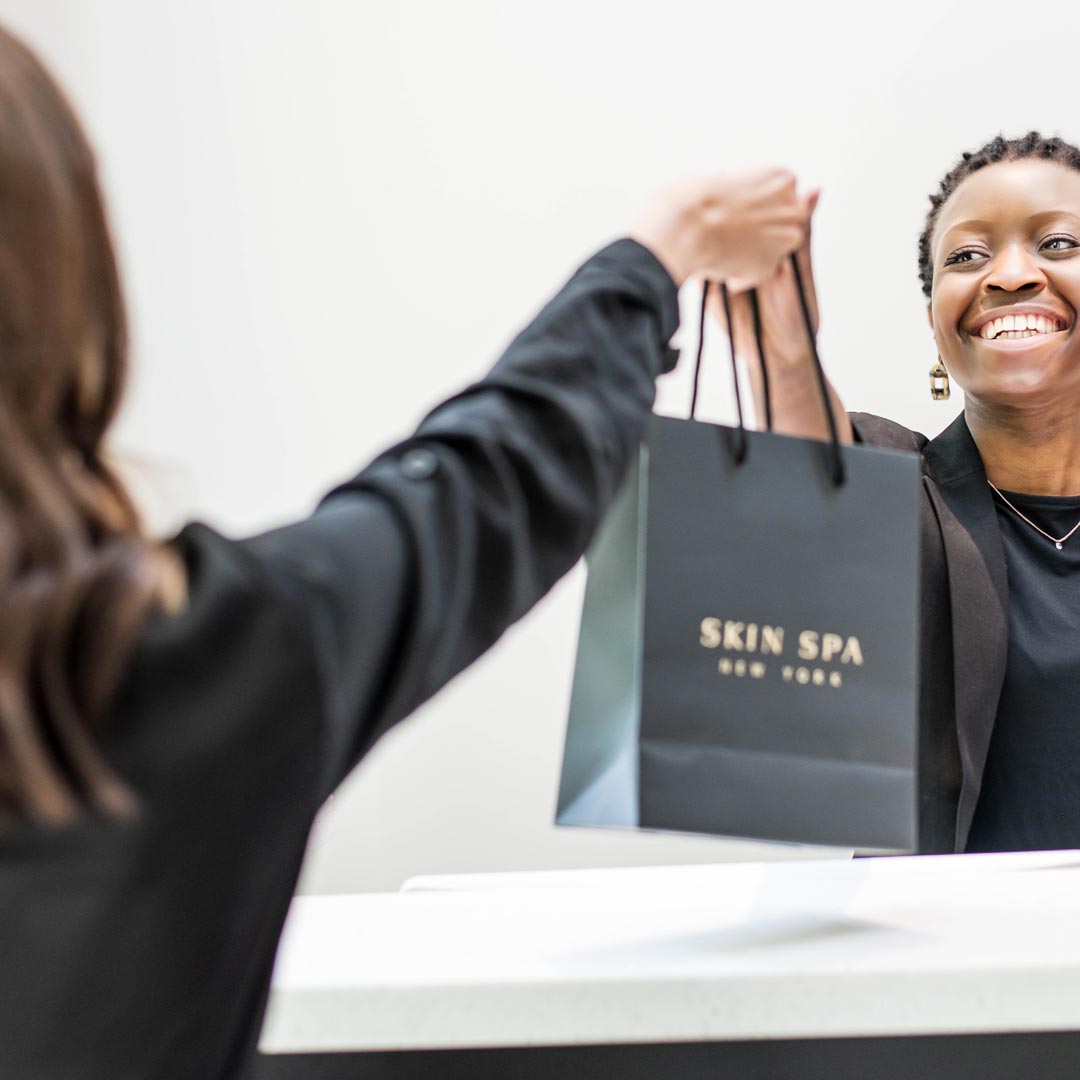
[419,464]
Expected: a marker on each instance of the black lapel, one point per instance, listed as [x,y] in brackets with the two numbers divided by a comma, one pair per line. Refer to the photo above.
[978,594]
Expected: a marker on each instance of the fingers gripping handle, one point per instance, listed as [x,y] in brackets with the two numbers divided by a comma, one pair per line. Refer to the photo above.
[835,458]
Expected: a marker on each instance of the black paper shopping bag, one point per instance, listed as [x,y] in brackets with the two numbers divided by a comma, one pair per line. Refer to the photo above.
[747,657]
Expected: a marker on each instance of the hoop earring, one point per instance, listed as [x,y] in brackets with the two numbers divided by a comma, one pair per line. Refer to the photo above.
[939,382]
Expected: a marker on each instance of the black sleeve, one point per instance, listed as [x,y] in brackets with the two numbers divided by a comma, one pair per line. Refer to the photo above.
[408,572]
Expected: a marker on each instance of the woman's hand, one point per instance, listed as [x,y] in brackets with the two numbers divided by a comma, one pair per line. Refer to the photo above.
[793,388]
[734,227]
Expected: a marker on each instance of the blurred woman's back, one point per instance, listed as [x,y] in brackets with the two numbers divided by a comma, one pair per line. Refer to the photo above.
[98,884]
[172,716]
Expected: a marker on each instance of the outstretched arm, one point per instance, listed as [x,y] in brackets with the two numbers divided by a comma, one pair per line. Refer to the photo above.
[411,570]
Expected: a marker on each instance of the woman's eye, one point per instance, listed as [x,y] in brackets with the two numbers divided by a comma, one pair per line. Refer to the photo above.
[1059,243]
[966,256]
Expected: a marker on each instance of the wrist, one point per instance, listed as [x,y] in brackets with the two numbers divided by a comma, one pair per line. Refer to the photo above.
[672,230]
[795,369]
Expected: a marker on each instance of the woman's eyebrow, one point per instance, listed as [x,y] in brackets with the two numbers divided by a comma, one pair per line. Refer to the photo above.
[972,225]
[1048,215]
[1035,221]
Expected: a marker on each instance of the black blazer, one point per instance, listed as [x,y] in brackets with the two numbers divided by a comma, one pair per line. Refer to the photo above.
[964,624]
[144,949]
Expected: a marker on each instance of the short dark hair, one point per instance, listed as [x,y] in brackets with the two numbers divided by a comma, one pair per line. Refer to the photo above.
[1031,145]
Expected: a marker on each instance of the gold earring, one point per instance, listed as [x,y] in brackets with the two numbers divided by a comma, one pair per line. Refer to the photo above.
[939,382]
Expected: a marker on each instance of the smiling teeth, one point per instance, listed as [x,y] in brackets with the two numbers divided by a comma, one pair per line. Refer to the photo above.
[1020,326]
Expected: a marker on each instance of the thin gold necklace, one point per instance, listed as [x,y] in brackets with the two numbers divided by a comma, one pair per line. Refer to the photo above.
[1056,541]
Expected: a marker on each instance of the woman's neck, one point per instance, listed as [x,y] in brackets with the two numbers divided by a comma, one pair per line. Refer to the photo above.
[1036,451]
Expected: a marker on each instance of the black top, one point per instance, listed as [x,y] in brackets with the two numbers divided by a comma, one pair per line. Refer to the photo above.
[145,951]
[1030,797]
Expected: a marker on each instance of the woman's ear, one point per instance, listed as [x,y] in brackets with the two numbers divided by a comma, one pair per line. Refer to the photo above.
[930,316]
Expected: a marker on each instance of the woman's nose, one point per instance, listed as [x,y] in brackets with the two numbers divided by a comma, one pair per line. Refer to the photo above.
[1014,270]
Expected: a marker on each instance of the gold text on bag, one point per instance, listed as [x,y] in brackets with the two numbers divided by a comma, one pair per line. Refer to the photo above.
[733,636]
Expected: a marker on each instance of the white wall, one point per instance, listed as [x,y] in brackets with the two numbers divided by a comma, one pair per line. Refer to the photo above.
[332,213]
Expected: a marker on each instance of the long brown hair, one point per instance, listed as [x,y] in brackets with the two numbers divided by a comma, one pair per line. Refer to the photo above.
[77,576]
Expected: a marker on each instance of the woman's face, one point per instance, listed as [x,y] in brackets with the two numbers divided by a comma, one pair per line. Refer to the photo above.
[1006,291]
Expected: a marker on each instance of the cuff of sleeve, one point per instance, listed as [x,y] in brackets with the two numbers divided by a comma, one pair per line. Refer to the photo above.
[637,264]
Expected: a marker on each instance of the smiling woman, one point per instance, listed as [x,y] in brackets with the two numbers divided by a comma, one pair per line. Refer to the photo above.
[999,269]
[999,260]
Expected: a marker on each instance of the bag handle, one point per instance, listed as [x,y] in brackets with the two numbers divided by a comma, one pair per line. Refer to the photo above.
[836,461]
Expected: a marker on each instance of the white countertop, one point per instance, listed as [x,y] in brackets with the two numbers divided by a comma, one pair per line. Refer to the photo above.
[895,946]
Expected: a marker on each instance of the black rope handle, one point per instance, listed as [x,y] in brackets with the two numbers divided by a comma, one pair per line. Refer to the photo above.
[836,460]
[741,441]
[756,311]
[700,348]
